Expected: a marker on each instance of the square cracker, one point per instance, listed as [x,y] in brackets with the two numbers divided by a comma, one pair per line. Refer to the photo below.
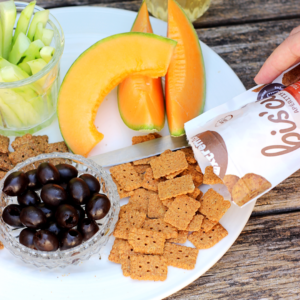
[5,163]
[168,163]
[57,147]
[159,225]
[122,193]
[207,225]
[135,218]
[196,176]
[210,177]
[125,253]
[167,202]
[149,182]
[127,176]
[148,267]
[114,255]
[181,212]
[4,143]
[181,238]
[146,241]
[140,200]
[173,175]
[195,193]
[24,152]
[175,187]
[208,239]
[189,154]
[34,141]
[141,169]
[196,223]
[156,209]
[180,256]
[122,229]
[145,138]
[143,161]
[213,205]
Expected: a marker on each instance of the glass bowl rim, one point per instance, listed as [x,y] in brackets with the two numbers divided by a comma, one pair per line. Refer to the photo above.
[40,254]
[56,57]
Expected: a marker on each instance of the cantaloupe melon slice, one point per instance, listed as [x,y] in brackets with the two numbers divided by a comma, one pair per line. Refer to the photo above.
[140,98]
[96,72]
[185,80]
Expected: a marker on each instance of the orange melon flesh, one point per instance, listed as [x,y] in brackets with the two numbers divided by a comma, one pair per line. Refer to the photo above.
[185,80]
[96,72]
[140,98]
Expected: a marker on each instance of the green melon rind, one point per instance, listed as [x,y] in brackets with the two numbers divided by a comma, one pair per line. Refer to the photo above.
[174,43]
[182,131]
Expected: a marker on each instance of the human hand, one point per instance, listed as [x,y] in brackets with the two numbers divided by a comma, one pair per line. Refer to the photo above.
[284,56]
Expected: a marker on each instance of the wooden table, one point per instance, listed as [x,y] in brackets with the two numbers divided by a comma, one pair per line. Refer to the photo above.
[264,262]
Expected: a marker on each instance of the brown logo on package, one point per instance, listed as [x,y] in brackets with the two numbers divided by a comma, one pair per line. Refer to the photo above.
[213,147]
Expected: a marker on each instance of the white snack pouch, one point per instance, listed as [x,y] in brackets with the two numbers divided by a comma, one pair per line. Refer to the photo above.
[253,140]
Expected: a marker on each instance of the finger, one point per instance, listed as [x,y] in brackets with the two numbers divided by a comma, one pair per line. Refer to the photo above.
[295,30]
[285,55]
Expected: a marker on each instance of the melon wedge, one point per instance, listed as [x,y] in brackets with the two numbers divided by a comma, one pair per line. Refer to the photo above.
[185,80]
[140,98]
[96,72]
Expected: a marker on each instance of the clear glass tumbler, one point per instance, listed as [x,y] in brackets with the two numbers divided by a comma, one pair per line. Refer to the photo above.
[193,8]
[29,105]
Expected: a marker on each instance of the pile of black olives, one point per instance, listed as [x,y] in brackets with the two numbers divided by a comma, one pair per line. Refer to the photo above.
[64,214]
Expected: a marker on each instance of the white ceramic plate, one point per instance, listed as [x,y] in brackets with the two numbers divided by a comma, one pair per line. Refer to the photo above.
[101,279]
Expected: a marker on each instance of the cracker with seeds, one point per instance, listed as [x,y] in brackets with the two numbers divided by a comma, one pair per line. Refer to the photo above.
[141,169]
[167,202]
[125,253]
[145,138]
[180,256]
[121,192]
[213,205]
[210,177]
[124,210]
[181,238]
[114,255]
[146,241]
[195,193]
[208,239]
[57,147]
[136,218]
[140,200]
[175,187]
[149,182]
[143,161]
[24,152]
[40,141]
[4,143]
[156,209]
[173,175]
[148,267]
[122,229]
[189,154]
[195,224]
[5,163]
[159,225]
[181,212]
[197,176]
[127,177]
[168,163]
[207,225]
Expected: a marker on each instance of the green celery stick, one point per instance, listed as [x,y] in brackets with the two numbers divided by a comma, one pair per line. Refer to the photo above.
[9,116]
[24,20]
[36,65]
[19,72]
[33,51]
[47,53]
[25,67]
[40,16]
[39,31]
[8,14]
[21,45]
[47,36]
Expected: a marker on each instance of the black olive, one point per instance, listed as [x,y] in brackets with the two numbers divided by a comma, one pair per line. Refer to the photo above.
[88,227]
[29,198]
[49,212]
[97,207]
[45,240]
[92,182]
[66,172]
[66,216]
[70,239]
[47,173]
[26,237]
[11,215]
[15,184]
[32,217]
[33,184]
[54,228]
[78,191]
[53,195]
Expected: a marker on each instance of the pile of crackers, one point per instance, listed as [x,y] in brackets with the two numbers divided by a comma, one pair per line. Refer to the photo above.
[165,209]
[25,147]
